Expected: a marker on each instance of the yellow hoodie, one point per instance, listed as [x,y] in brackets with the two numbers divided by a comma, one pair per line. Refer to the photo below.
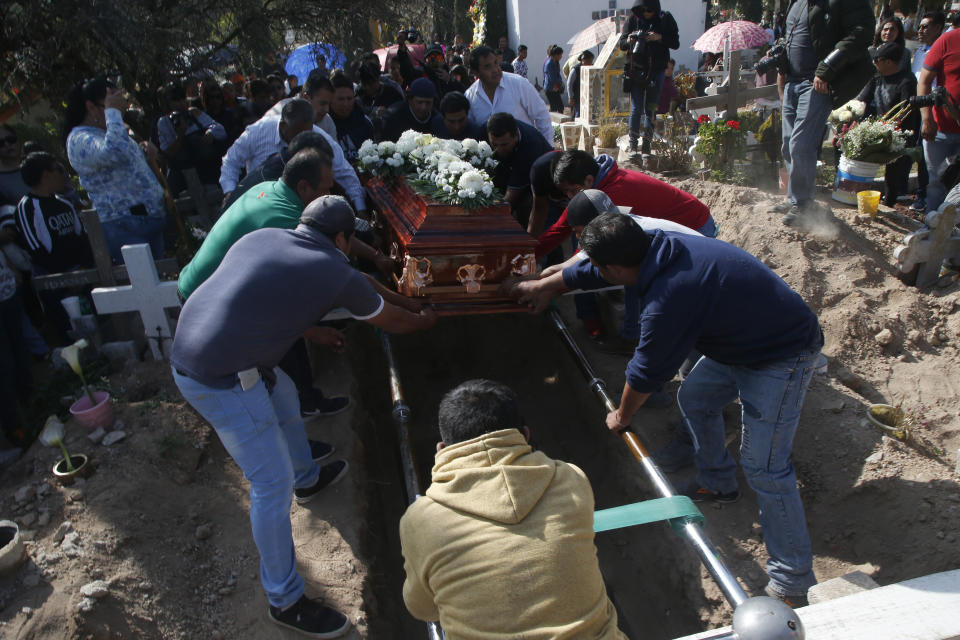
[502,546]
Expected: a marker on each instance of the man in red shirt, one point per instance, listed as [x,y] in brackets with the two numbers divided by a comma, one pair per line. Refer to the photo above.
[575,170]
[940,130]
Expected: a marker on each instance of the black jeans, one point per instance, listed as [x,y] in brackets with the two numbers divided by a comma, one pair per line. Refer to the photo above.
[556,102]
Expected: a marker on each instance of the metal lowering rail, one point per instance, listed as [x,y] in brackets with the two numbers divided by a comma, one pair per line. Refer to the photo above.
[763,617]
[401,415]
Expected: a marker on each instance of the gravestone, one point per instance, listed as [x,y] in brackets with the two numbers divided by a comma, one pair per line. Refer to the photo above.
[732,92]
[601,85]
[926,249]
[145,294]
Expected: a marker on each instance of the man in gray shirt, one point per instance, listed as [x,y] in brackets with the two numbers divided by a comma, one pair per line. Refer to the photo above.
[826,64]
[271,288]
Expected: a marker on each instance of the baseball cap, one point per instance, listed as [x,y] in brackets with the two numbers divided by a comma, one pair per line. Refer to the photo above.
[422,88]
[433,48]
[588,204]
[889,51]
[329,215]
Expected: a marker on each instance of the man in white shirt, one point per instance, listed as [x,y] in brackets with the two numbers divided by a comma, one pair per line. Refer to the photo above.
[318,92]
[270,134]
[496,91]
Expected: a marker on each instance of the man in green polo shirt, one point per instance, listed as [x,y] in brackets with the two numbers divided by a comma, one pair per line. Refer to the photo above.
[307,176]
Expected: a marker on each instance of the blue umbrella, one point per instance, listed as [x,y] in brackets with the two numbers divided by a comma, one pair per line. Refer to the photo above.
[303,59]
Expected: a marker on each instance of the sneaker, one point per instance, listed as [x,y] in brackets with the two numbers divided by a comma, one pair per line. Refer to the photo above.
[326,407]
[794,602]
[919,204]
[793,217]
[676,455]
[320,451]
[330,474]
[701,494]
[782,207]
[311,618]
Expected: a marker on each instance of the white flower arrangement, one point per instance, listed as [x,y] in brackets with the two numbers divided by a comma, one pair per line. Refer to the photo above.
[448,171]
[852,110]
[878,139]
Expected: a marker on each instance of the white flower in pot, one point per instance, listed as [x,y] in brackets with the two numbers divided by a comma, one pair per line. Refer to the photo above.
[52,436]
[72,355]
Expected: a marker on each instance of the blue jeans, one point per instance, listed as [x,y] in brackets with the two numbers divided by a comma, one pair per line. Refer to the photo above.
[644,100]
[771,397]
[804,117]
[936,154]
[134,230]
[264,434]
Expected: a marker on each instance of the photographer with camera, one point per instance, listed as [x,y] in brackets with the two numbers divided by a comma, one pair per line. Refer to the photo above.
[821,65]
[940,129]
[647,36]
[189,139]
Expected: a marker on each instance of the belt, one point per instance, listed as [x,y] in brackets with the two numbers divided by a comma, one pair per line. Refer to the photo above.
[247,378]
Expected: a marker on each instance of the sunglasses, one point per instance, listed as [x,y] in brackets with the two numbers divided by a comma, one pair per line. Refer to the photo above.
[8,140]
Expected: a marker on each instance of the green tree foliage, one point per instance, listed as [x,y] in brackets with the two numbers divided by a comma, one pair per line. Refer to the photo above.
[48,45]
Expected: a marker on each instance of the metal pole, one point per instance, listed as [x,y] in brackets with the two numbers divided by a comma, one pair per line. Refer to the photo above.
[401,416]
[694,532]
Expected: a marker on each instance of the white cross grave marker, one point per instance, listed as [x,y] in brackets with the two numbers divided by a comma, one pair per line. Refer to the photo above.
[145,294]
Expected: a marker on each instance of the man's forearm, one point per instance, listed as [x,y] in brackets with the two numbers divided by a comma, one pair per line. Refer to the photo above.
[630,403]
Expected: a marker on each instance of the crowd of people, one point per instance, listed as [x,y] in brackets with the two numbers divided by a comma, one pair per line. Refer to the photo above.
[281,151]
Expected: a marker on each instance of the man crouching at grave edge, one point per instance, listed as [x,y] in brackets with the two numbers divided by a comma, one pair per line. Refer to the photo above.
[760,343]
[232,332]
[501,545]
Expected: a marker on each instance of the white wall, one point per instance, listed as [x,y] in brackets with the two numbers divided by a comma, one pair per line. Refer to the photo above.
[538,23]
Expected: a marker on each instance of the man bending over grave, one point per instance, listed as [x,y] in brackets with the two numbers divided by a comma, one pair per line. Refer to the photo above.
[501,545]
[760,343]
[273,287]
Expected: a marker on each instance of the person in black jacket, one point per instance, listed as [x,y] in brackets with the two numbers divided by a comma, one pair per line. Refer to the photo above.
[647,36]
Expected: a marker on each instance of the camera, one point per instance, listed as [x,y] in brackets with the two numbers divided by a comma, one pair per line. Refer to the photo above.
[177,118]
[936,98]
[412,35]
[776,58]
[641,42]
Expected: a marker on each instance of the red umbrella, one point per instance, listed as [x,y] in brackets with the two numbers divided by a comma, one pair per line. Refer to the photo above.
[743,34]
[596,33]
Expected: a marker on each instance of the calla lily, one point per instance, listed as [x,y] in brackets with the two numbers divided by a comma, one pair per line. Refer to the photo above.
[52,436]
[72,355]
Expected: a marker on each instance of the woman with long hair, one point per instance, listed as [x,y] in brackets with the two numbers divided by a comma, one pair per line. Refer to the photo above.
[112,168]
[891,30]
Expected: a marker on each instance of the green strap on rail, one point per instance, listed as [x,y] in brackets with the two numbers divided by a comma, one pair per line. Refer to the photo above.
[676,510]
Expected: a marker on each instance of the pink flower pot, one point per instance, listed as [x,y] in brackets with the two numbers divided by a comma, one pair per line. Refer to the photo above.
[95,416]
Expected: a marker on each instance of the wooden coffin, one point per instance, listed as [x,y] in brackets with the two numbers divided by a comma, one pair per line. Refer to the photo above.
[450,257]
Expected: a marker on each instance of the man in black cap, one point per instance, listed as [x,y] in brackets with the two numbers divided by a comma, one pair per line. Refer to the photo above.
[232,333]
[891,86]
[416,112]
[435,69]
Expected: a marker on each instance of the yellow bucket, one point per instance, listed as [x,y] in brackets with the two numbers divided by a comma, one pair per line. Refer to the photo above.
[868,202]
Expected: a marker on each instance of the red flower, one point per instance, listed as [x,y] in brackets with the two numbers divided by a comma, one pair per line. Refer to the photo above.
[733,124]
[703,118]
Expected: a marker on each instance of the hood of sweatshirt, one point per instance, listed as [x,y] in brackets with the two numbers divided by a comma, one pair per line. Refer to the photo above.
[496,476]
[607,166]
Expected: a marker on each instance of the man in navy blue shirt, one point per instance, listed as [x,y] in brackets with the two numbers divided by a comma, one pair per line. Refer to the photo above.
[760,343]
[516,146]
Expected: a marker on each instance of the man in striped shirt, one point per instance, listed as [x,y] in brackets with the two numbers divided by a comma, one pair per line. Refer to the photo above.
[269,135]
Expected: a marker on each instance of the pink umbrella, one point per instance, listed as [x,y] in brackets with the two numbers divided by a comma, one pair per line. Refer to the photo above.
[387,53]
[596,33]
[743,34]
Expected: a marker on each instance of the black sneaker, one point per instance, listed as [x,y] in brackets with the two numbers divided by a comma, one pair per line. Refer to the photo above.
[324,407]
[320,451]
[330,474]
[311,618]
[781,207]
[701,494]
[794,602]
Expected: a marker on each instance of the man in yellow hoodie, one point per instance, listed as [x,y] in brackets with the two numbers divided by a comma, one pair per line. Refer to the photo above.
[501,545]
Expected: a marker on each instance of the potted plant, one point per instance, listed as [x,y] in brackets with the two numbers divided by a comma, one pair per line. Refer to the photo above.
[865,146]
[671,150]
[68,467]
[607,134]
[93,409]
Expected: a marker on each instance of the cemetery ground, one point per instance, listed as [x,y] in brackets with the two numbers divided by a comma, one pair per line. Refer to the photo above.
[163,519]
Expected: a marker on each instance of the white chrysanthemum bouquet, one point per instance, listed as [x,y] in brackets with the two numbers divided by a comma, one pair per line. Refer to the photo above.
[447,171]
[878,139]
